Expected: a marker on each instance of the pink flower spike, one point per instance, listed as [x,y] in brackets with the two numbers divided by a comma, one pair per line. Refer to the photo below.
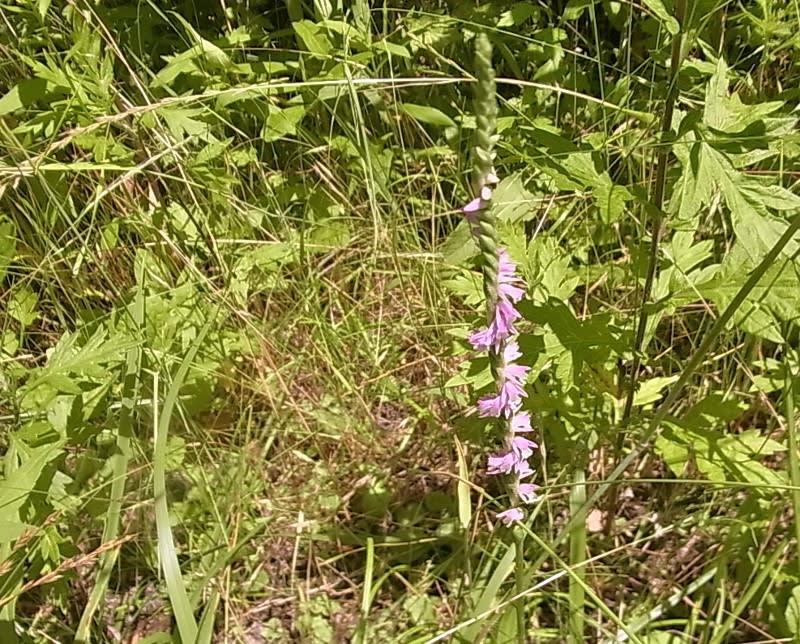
[511,516]
[486,193]
[492,178]
[527,492]
[521,423]
[490,407]
[516,373]
[504,317]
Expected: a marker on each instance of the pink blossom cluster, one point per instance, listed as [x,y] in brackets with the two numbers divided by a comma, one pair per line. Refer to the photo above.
[499,336]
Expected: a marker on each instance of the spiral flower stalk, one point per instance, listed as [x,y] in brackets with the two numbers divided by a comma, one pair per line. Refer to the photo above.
[503,289]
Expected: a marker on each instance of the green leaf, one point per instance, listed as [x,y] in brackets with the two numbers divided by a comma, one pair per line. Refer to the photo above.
[14,493]
[576,8]
[427,114]
[181,122]
[22,306]
[651,390]
[519,13]
[23,95]
[391,48]
[792,612]
[311,37]
[660,11]
[282,122]
[208,50]
[511,201]
[10,531]
[8,245]
[776,298]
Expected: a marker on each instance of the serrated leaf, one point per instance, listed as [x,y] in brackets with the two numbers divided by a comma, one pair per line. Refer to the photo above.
[282,122]
[776,298]
[181,122]
[651,390]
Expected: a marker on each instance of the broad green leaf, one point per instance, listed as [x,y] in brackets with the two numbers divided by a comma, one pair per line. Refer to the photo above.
[776,298]
[611,199]
[14,493]
[518,13]
[548,271]
[715,112]
[391,48]
[330,234]
[23,95]
[573,168]
[576,8]
[206,49]
[181,122]
[459,246]
[427,114]
[311,37]
[11,530]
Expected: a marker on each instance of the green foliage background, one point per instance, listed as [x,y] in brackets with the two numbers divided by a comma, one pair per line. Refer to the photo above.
[235,291]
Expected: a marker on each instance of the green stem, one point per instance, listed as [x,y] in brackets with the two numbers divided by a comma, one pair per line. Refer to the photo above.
[794,458]
[655,239]
[519,582]
[658,221]
[577,556]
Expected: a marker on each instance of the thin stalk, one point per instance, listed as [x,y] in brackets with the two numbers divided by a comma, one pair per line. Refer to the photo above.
[577,557]
[519,582]
[658,222]
[766,572]
[657,201]
[794,458]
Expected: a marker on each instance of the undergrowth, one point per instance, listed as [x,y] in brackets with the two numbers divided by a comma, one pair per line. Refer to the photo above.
[237,288]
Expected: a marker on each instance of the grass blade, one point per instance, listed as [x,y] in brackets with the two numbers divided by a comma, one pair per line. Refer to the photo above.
[130,387]
[182,609]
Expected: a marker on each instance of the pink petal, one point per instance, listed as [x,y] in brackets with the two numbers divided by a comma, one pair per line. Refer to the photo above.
[511,516]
